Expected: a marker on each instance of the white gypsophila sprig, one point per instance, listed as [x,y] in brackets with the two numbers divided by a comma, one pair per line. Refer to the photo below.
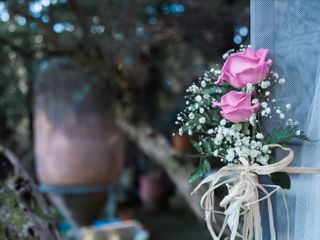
[265,84]
[269,106]
[198,104]
[235,144]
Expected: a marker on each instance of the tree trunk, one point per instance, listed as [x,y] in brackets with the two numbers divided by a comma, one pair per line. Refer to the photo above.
[23,210]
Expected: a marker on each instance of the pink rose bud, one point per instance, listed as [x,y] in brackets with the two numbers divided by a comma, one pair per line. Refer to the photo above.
[245,67]
[236,106]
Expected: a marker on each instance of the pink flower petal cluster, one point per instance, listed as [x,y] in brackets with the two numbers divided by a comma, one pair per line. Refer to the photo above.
[236,106]
[245,67]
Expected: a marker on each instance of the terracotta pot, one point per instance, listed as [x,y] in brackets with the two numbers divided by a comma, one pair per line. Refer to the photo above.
[82,152]
[181,143]
[76,139]
[77,143]
[153,192]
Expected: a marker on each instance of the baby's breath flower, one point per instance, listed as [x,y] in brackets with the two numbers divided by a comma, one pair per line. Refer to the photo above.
[215,153]
[288,106]
[254,153]
[281,81]
[254,101]
[263,159]
[252,119]
[230,155]
[198,98]
[206,96]
[210,131]
[202,120]
[268,110]
[265,149]
[259,136]
[191,115]
[223,122]
[292,122]
[249,87]
[265,84]
[264,104]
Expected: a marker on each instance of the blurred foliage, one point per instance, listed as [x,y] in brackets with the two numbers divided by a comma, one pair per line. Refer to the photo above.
[147,51]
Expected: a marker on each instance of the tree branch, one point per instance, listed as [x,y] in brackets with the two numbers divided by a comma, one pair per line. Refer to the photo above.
[15,8]
[23,210]
[157,147]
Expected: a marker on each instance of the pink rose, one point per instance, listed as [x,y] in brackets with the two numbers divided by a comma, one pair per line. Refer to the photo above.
[236,106]
[245,67]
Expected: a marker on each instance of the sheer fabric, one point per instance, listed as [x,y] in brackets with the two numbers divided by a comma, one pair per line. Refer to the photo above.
[291,30]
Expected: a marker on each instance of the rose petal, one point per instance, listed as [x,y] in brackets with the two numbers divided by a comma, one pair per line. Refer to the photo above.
[262,54]
[254,75]
[240,115]
[232,98]
[227,77]
[239,63]
[245,67]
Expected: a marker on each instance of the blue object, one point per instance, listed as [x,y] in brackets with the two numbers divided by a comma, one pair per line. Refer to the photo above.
[44,188]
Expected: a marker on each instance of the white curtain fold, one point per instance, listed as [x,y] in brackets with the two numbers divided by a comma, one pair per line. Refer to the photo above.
[307,208]
[291,30]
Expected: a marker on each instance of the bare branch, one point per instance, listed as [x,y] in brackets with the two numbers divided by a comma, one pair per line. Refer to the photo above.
[82,20]
[47,28]
[157,147]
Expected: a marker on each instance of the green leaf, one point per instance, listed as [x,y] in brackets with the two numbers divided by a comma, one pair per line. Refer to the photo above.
[217,89]
[192,125]
[213,90]
[272,160]
[216,116]
[207,146]
[283,134]
[282,179]
[206,165]
[196,145]
[202,169]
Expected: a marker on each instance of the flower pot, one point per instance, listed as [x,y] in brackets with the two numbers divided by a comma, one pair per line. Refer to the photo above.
[77,143]
[154,192]
[79,152]
[181,143]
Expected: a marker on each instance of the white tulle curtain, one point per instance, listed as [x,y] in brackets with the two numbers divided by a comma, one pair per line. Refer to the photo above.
[291,30]
[307,207]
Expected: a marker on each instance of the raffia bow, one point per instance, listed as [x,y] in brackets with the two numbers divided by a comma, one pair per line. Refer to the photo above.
[243,196]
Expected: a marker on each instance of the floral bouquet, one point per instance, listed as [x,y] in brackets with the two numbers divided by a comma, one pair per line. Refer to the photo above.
[223,115]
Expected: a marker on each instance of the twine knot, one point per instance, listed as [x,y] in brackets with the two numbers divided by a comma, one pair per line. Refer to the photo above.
[243,197]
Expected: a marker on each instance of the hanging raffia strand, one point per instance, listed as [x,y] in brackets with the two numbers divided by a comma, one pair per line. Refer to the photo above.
[243,196]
